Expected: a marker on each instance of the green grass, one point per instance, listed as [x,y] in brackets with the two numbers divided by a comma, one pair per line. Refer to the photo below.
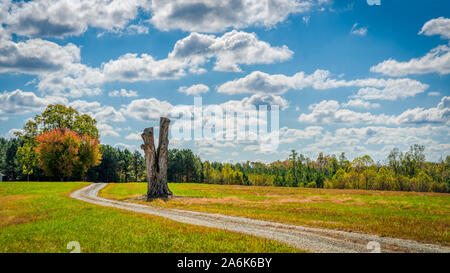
[423,217]
[41,217]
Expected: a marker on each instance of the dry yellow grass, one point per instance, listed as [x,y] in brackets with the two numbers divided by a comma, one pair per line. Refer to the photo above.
[423,217]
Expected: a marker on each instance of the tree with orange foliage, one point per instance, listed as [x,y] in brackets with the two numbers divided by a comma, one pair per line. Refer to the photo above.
[63,153]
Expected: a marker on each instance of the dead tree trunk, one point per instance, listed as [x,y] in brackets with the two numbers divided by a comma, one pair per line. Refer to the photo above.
[156,161]
[150,157]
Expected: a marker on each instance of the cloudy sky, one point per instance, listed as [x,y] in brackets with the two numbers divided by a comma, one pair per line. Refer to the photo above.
[348,76]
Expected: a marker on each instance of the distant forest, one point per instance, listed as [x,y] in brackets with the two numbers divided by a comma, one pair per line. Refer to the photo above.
[403,171]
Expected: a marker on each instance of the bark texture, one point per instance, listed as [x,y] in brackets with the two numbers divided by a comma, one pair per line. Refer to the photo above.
[156,160]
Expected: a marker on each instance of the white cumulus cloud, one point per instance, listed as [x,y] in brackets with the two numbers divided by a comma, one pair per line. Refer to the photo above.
[19,102]
[435,61]
[123,93]
[217,16]
[370,88]
[194,90]
[331,112]
[438,26]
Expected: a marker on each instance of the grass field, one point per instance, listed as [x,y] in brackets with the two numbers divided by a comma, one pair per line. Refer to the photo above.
[41,217]
[423,217]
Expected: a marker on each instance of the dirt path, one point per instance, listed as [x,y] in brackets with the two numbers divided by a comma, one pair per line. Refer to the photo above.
[306,238]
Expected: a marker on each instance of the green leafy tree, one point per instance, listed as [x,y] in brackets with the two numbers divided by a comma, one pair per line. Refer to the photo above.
[413,160]
[27,158]
[108,170]
[394,160]
[9,163]
[138,167]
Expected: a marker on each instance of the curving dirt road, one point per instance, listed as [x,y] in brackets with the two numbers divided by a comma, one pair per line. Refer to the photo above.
[306,238]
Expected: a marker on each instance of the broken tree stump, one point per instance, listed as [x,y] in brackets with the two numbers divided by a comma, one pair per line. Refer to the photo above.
[156,160]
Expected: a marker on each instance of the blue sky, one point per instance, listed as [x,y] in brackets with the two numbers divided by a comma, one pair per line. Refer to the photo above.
[350,77]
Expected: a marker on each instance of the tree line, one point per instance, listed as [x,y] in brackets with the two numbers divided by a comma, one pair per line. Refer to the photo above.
[61,144]
[403,171]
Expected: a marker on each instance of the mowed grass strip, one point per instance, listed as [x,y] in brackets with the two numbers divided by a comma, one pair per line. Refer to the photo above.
[424,217]
[41,217]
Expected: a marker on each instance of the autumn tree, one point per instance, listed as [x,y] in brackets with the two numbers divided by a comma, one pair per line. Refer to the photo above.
[62,153]
[54,117]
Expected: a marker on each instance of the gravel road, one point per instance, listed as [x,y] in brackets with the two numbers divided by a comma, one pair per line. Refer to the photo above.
[305,238]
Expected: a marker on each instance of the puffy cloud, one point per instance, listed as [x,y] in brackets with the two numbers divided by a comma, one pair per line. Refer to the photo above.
[438,114]
[85,106]
[438,26]
[436,61]
[133,136]
[257,82]
[73,80]
[133,68]
[60,71]
[208,150]
[36,56]
[390,89]
[59,18]
[389,135]
[109,114]
[269,100]
[358,103]
[230,50]
[147,109]
[195,90]
[217,16]
[4,9]
[123,93]
[102,114]
[290,135]
[332,112]
[19,102]
[137,29]
[58,68]
[371,88]
[107,130]
[4,35]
